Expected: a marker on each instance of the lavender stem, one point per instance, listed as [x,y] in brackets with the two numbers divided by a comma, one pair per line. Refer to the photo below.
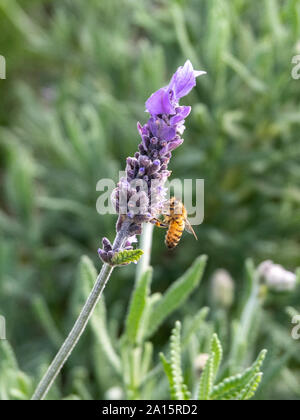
[80,324]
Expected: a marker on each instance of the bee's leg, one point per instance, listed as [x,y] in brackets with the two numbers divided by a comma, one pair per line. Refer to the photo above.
[158,223]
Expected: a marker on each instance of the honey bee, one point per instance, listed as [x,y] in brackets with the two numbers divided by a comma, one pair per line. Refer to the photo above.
[175,220]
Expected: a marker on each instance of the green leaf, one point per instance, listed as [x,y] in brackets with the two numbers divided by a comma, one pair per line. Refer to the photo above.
[147,358]
[176,295]
[210,370]
[127,256]
[14,384]
[216,349]
[168,371]
[195,326]
[250,389]
[88,275]
[244,73]
[231,387]
[206,380]
[137,307]
[143,330]
[99,327]
[179,389]
[245,326]
[7,356]
[173,369]
[182,34]
[45,317]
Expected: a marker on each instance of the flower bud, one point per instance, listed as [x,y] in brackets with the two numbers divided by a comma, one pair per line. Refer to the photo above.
[200,363]
[222,288]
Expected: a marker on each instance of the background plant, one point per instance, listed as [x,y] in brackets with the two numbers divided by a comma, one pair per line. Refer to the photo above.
[239,387]
[77,75]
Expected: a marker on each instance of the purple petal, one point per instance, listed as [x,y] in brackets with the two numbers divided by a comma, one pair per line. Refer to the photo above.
[174,144]
[103,255]
[131,240]
[180,128]
[184,80]
[162,130]
[167,132]
[160,102]
[110,254]
[198,73]
[106,244]
[181,113]
[142,129]
[135,229]
[154,167]
[144,161]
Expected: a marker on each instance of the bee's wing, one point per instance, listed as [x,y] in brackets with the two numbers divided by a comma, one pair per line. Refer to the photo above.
[188,228]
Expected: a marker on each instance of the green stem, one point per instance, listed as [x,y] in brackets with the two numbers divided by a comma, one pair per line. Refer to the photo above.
[146,245]
[250,310]
[80,324]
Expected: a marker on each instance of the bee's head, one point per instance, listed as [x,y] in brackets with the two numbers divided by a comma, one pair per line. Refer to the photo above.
[175,203]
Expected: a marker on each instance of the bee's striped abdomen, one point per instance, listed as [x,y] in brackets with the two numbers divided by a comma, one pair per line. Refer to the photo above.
[174,233]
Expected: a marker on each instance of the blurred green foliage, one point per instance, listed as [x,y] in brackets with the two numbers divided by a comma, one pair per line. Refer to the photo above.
[78,74]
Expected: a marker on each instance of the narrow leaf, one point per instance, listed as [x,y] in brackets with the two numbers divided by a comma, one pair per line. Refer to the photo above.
[88,275]
[211,369]
[206,380]
[177,374]
[168,371]
[216,349]
[231,387]
[195,326]
[137,307]
[176,295]
[173,369]
[250,389]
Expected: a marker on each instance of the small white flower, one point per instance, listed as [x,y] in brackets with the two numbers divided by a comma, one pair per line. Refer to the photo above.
[277,277]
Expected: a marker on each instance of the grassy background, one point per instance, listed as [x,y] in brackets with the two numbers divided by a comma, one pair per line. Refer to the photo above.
[78,74]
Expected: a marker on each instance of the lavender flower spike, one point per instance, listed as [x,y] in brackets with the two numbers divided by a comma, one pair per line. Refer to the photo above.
[140,195]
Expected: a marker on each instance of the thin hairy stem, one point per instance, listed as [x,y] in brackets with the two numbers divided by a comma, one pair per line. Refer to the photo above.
[80,324]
